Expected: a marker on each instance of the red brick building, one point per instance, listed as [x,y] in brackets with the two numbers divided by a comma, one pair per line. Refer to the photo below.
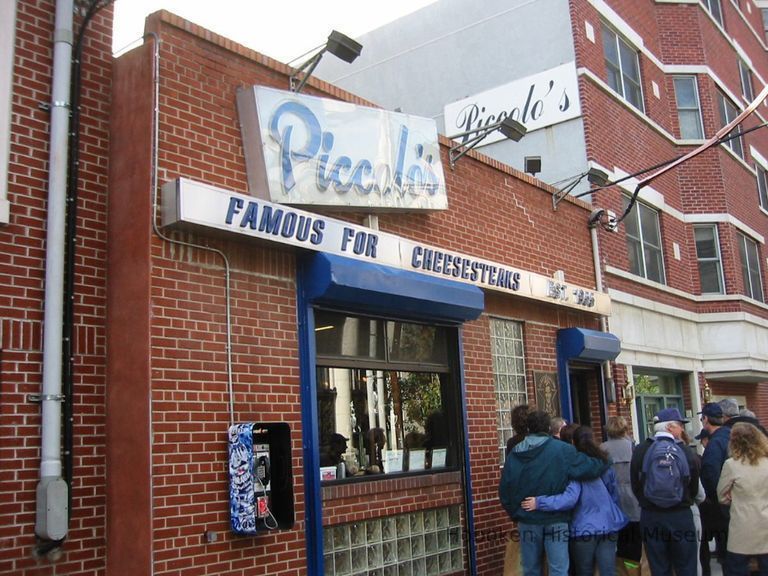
[199,305]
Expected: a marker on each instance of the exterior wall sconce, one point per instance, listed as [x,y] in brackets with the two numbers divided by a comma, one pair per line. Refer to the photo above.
[341,46]
[706,393]
[510,128]
[628,392]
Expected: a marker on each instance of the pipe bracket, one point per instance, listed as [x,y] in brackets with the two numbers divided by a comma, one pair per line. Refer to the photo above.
[38,398]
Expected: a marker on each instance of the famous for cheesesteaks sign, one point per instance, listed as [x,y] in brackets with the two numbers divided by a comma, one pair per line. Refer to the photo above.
[191,204]
[308,151]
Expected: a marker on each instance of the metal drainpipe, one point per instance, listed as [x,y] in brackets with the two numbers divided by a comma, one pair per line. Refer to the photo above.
[52,490]
[593,222]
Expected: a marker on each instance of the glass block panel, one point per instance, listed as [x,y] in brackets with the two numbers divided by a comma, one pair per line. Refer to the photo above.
[374,556]
[454,516]
[443,540]
[357,534]
[417,546]
[430,542]
[390,570]
[389,552]
[388,528]
[433,566]
[416,523]
[445,562]
[442,517]
[403,526]
[359,561]
[340,537]
[328,567]
[404,549]
[342,563]
[430,523]
[419,567]
[454,537]
[457,561]
[376,572]
[404,569]
[328,539]
[373,529]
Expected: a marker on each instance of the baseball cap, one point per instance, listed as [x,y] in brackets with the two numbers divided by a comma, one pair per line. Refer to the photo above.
[712,409]
[670,415]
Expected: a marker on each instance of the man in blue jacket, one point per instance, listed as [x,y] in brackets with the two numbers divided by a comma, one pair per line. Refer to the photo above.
[714,517]
[539,466]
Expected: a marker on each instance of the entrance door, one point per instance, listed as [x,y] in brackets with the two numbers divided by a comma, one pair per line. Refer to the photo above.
[655,391]
[586,395]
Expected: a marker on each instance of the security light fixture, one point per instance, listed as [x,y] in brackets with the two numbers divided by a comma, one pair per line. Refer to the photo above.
[532,165]
[338,44]
[597,177]
[509,127]
[594,176]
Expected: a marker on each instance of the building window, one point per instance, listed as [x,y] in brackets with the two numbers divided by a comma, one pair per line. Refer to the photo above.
[750,268]
[728,112]
[421,542]
[623,67]
[644,242]
[762,186]
[765,22]
[688,110]
[708,255]
[508,375]
[746,81]
[387,399]
[713,6]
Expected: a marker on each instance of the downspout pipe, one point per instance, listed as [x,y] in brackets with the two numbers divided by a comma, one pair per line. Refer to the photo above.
[52,491]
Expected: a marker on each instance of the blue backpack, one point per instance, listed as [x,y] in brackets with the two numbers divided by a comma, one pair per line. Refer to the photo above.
[665,473]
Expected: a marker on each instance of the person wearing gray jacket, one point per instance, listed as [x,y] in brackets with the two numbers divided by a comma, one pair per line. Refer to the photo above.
[619,447]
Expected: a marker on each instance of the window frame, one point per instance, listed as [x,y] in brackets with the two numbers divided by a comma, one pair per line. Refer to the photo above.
[617,69]
[637,219]
[504,397]
[764,13]
[727,111]
[761,175]
[717,258]
[447,372]
[717,15]
[746,243]
[688,110]
[745,76]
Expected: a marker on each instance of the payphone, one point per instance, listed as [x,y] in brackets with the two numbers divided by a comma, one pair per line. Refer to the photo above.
[260,479]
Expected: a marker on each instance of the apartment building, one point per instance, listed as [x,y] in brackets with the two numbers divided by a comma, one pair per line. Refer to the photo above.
[620,89]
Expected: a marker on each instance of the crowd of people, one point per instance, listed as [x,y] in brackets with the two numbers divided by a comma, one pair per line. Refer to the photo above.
[621,507]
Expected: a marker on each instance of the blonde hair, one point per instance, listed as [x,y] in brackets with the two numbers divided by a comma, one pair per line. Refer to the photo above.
[747,443]
[617,427]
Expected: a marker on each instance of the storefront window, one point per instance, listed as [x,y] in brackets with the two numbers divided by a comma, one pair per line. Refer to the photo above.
[387,401]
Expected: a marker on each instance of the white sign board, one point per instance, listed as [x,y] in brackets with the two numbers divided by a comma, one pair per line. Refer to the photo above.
[191,204]
[536,101]
[310,151]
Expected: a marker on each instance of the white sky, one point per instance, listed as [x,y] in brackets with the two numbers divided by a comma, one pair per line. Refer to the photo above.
[282,29]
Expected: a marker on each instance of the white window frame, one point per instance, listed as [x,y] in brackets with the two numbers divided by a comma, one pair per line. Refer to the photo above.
[687,109]
[638,217]
[746,245]
[762,185]
[7,54]
[717,12]
[745,74]
[727,111]
[764,12]
[623,47]
[509,379]
[717,258]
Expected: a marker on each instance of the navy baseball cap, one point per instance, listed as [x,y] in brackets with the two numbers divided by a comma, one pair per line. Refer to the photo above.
[712,409]
[670,415]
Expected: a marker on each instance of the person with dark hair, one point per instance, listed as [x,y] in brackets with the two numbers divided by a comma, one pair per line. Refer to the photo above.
[540,466]
[744,486]
[714,518]
[619,447]
[733,415]
[597,516]
[519,416]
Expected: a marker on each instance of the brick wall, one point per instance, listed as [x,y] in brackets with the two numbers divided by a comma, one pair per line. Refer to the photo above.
[22,262]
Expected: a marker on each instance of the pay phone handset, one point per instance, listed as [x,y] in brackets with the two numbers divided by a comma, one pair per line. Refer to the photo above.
[262,474]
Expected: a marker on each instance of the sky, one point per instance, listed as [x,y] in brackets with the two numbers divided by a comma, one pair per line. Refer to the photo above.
[282,29]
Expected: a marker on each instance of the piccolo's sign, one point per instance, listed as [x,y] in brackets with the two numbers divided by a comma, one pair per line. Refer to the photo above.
[190,204]
[536,101]
[310,151]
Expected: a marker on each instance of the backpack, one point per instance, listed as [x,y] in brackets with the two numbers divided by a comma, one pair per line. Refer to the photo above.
[666,473]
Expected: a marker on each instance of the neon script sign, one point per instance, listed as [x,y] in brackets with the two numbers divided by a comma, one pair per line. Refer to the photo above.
[311,151]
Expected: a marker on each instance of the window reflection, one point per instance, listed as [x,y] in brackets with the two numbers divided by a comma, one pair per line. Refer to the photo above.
[382,422]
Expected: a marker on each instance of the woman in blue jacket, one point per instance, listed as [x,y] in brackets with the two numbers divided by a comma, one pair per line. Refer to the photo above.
[597,516]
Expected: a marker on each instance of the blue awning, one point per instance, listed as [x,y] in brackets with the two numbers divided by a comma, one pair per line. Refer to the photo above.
[378,289]
[584,344]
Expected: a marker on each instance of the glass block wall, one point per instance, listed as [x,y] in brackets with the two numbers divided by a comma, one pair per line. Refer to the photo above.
[422,543]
